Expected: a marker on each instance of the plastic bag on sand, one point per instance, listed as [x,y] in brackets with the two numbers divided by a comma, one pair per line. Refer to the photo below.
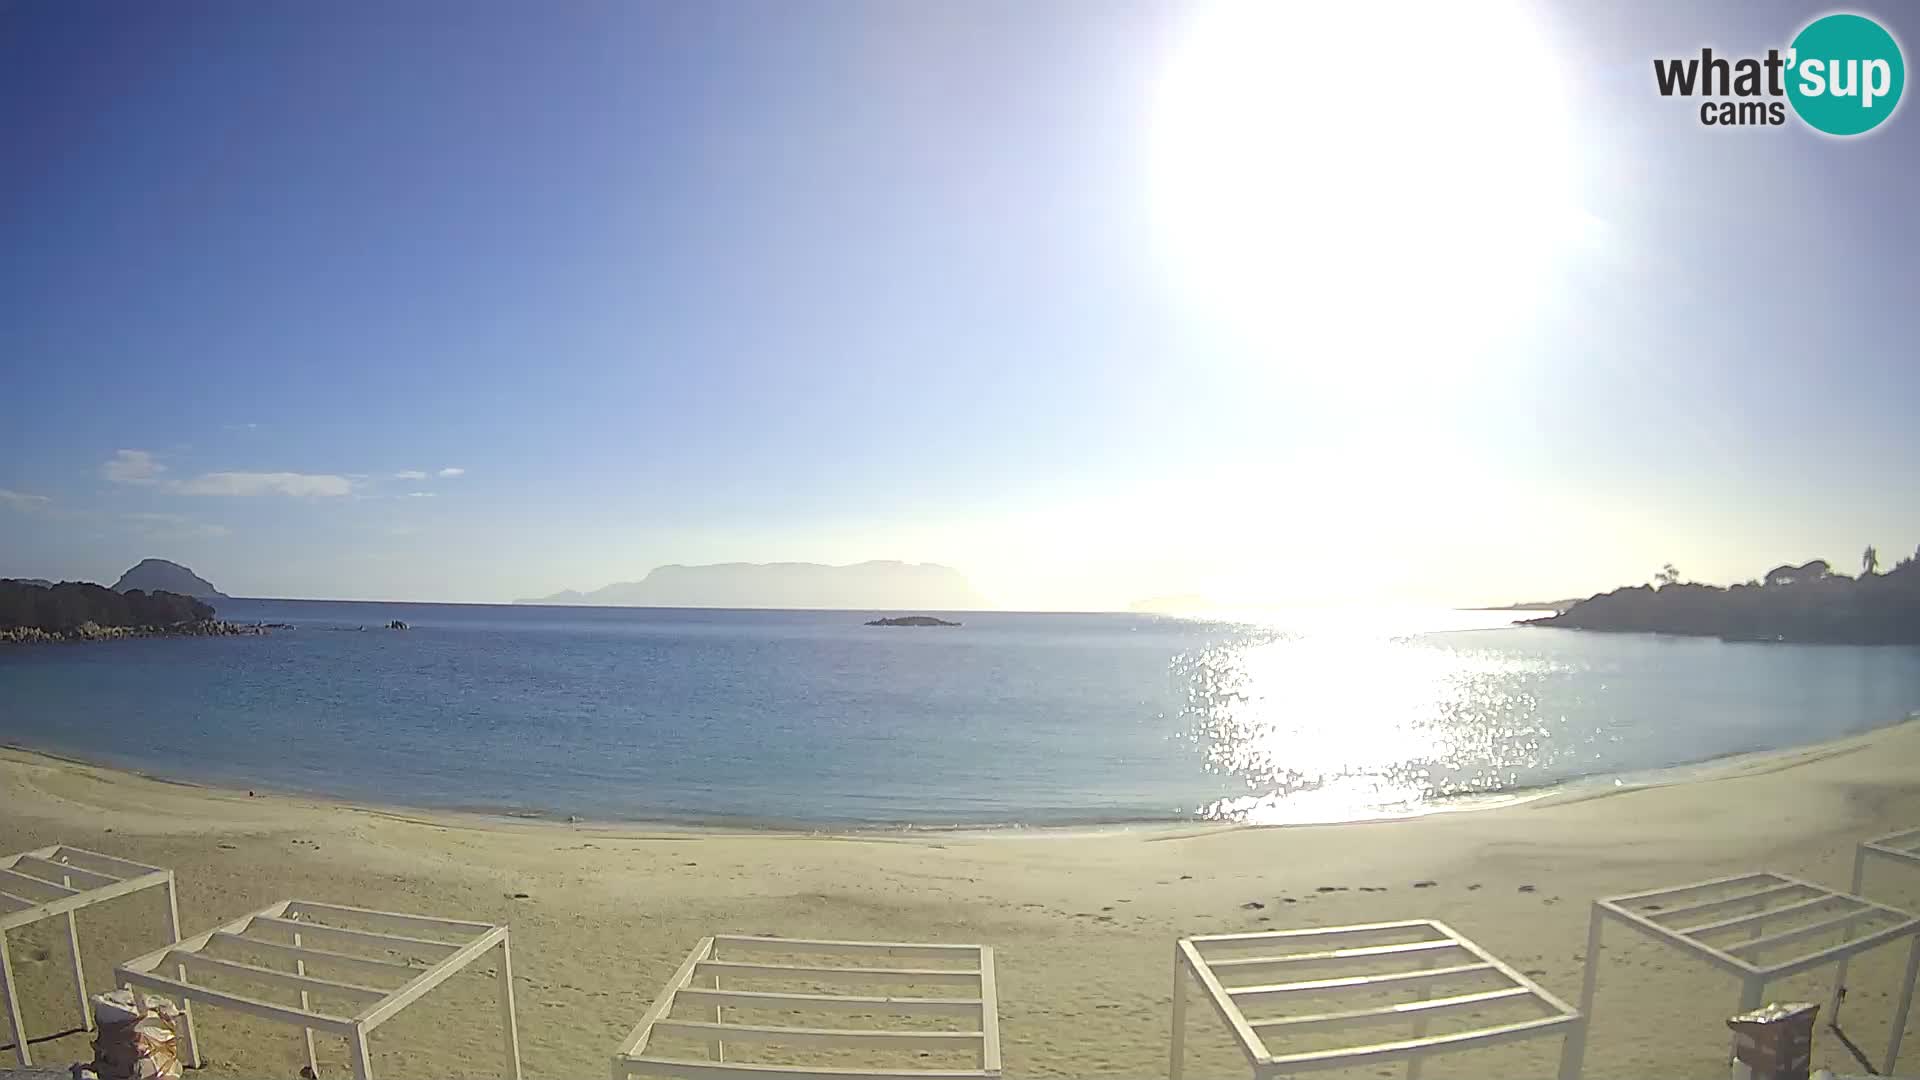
[136,1040]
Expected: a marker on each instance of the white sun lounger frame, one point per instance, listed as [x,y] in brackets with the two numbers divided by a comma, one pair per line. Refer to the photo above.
[1767,896]
[1442,952]
[392,931]
[1901,847]
[63,880]
[714,958]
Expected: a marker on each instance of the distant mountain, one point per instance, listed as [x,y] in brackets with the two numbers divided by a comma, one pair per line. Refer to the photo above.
[571,597]
[42,582]
[159,575]
[867,586]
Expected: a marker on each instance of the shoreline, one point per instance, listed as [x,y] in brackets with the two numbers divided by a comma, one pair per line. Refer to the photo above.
[1081,919]
[1578,789]
[91,633]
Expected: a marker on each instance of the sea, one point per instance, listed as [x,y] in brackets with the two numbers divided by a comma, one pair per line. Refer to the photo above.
[813,720]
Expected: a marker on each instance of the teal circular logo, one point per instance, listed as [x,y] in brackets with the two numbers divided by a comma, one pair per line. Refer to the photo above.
[1845,74]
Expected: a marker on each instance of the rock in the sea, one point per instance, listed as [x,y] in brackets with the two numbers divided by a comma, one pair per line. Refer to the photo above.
[911,620]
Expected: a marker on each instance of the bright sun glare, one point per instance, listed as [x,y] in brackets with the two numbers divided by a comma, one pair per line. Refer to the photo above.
[1363,190]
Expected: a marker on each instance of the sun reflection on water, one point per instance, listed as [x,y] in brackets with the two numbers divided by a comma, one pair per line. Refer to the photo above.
[1338,723]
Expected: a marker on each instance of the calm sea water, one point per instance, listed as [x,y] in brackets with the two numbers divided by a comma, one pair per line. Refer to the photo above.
[813,718]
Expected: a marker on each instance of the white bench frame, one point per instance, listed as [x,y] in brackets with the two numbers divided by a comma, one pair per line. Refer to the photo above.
[1441,953]
[63,880]
[977,998]
[1769,896]
[391,931]
[1901,847]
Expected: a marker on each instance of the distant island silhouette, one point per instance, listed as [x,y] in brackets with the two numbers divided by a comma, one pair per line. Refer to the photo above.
[910,620]
[1534,605]
[150,574]
[1810,602]
[881,585]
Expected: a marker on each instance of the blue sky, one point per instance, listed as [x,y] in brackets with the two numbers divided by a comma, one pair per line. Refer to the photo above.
[844,280]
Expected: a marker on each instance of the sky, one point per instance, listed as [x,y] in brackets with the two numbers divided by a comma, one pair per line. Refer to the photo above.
[1094,301]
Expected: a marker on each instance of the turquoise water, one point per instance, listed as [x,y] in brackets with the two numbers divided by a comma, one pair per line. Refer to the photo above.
[810,718]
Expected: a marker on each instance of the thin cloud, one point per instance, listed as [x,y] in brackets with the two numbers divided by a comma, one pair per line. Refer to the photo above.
[419,494]
[174,526]
[410,474]
[21,501]
[132,467]
[248,484]
[450,472]
[142,468]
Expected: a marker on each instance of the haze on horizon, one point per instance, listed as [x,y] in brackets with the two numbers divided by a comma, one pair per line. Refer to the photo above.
[449,301]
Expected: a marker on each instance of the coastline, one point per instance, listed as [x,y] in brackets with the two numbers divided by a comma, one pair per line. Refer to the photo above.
[1575,789]
[1083,919]
[89,633]
[1092,734]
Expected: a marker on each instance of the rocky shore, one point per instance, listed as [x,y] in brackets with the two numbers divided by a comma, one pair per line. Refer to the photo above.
[88,631]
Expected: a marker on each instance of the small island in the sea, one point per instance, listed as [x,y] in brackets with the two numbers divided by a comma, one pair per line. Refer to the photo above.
[911,620]
[159,575]
[1809,603]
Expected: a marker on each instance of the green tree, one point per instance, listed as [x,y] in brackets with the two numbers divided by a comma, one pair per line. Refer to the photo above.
[1667,576]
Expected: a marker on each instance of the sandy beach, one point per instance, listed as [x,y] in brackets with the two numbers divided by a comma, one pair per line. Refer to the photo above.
[1084,922]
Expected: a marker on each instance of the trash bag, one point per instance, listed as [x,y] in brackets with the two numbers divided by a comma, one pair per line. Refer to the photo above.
[137,1039]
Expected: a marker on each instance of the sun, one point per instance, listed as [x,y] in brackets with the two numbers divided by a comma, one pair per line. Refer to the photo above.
[1363,189]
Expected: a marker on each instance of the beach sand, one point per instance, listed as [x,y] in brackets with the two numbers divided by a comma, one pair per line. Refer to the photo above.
[1083,922]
